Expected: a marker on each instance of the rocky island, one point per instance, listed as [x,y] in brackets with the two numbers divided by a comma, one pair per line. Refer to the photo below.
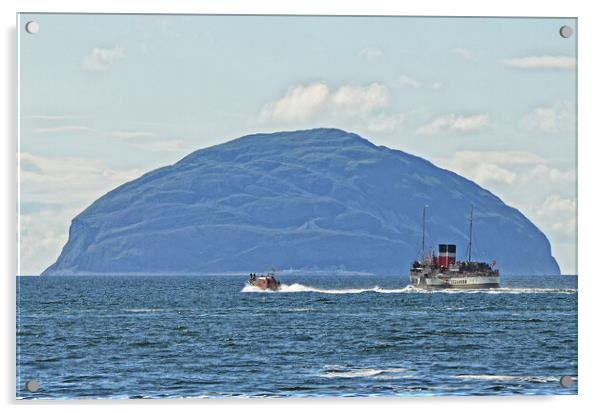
[310,200]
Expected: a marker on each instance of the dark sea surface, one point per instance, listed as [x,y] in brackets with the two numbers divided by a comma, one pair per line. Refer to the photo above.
[210,336]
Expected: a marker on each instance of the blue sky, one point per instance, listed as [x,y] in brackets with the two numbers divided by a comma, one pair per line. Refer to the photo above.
[105,98]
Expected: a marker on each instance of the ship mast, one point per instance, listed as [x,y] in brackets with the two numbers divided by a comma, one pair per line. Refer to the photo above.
[423,225]
[470,236]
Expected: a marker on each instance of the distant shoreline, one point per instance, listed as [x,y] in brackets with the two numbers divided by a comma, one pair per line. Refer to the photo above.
[244,274]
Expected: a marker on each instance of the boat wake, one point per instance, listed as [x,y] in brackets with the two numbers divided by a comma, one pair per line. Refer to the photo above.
[300,288]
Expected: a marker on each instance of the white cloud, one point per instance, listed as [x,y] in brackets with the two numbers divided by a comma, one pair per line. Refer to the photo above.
[565,253]
[371,53]
[101,59]
[352,100]
[553,118]
[437,85]
[304,102]
[53,191]
[140,139]
[468,123]
[508,167]
[298,104]
[42,236]
[559,214]
[129,135]
[408,81]
[542,62]
[544,173]
[486,167]
[50,117]
[555,203]
[63,129]
[489,172]
[501,167]
[567,227]
[171,145]
[63,180]
[382,123]
[454,123]
[556,215]
[468,158]
[525,180]
[148,141]
[481,171]
[465,54]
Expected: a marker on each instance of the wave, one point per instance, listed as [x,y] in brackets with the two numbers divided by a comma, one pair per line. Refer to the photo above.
[300,288]
[299,309]
[491,377]
[143,310]
[333,372]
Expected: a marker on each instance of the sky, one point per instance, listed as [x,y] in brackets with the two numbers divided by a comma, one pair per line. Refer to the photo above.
[106,98]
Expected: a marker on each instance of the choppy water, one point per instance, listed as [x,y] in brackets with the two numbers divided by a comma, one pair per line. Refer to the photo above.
[130,337]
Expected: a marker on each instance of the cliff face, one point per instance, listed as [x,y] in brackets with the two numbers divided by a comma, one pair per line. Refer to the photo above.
[320,199]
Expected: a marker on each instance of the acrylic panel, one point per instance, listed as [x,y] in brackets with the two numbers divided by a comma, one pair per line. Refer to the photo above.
[294,206]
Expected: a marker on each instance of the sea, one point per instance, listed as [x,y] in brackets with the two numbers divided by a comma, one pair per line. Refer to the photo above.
[117,337]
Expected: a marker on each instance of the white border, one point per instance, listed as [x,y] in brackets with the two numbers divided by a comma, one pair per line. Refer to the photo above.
[590,34]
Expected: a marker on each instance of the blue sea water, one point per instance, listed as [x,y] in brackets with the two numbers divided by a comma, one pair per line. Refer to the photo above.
[210,336]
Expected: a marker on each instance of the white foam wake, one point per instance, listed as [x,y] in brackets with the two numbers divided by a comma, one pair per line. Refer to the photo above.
[491,377]
[143,310]
[504,290]
[343,372]
[300,288]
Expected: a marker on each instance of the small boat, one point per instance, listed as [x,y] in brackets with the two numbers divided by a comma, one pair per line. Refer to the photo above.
[265,281]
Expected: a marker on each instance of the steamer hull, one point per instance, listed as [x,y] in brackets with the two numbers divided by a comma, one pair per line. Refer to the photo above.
[444,281]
